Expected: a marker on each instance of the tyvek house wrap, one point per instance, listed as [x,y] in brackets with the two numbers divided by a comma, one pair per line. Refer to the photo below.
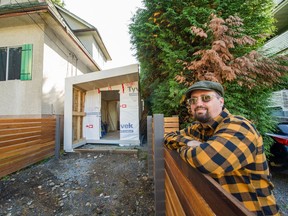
[92,119]
[129,114]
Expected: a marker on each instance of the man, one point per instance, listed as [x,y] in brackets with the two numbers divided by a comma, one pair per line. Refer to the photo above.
[227,147]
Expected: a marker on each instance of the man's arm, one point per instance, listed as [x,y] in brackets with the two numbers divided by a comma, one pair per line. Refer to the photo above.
[231,148]
[177,139]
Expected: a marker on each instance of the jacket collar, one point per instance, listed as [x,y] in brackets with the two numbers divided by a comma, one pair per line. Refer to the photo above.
[213,124]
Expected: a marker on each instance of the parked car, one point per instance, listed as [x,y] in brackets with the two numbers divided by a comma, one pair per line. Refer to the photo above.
[279,148]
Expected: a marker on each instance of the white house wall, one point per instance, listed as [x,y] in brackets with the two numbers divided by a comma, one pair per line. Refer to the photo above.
[52,63]
[23,97]
[58,63]
[87,40]
[89,43]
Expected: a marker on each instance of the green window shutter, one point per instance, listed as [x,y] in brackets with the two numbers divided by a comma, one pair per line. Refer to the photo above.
[26,62]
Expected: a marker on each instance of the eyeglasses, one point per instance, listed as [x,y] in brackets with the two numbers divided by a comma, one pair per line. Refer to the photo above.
[204,98]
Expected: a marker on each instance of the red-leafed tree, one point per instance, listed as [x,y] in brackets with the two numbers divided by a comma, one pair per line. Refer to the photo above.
[218,63]
[161,36]
[248,79]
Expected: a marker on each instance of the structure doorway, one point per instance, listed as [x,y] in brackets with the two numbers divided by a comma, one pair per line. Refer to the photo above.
[110,115]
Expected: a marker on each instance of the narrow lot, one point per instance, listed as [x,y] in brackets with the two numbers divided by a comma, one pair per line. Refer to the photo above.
[92,183]
[80,184]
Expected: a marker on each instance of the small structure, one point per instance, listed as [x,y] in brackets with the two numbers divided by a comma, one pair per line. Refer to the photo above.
[98,100]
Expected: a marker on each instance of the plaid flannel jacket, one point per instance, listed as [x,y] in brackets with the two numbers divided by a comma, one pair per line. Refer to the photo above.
[232,153]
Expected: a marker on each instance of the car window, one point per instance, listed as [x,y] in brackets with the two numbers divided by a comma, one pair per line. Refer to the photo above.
[283,128]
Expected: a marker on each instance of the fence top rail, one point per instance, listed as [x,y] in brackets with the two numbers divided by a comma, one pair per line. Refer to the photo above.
[25,120]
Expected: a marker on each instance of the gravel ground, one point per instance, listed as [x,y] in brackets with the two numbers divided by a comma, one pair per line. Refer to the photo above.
[86,183]
[80,184]
[280,181]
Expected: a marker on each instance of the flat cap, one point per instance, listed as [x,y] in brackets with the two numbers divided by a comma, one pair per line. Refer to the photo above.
[205,85]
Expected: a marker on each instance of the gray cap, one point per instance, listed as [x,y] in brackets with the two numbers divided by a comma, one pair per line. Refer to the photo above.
[205,85]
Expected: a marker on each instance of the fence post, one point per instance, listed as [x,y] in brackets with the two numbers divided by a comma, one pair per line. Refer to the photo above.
[159,169]
[149,143]
[57,137]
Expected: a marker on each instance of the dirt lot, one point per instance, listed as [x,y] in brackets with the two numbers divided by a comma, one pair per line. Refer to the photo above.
[80,184]
[89,184]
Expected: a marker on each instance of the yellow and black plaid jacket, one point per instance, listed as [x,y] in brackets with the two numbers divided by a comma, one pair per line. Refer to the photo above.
[231,152]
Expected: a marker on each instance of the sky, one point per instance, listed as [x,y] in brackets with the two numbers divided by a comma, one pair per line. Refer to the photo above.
[111,18]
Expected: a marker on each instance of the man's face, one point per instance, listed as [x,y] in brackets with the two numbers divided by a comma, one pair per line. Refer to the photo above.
[205,105]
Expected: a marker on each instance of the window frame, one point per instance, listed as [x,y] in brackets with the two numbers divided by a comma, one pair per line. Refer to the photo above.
[25,59]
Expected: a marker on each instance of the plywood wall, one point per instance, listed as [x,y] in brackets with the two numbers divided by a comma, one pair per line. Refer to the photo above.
[78,113]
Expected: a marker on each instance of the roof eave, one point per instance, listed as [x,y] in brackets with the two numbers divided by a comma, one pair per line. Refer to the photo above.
[99,40]
[48,7]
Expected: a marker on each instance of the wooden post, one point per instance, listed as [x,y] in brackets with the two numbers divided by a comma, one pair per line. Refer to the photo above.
[149,143]
[159,171]
[57,137]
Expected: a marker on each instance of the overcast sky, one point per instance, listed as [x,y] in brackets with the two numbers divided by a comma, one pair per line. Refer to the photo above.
[111,18]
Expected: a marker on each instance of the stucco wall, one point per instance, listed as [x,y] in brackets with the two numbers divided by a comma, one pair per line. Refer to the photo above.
[90,44]
[52,63]
[23,97]
[59,62]
[87,40]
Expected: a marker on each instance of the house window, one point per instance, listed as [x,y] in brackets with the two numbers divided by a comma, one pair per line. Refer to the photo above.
[16,63]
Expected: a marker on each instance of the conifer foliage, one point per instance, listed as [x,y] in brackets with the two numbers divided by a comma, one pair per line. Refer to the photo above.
[179,42]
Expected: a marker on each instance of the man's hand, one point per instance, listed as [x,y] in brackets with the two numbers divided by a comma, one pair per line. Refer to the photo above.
[193,143]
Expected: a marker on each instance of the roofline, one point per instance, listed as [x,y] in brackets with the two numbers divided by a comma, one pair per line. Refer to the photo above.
[70,33]
[280,6]
[97,35]
[44,8]
[98,38]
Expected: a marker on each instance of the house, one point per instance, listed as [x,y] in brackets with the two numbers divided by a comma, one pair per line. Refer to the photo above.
[41,46]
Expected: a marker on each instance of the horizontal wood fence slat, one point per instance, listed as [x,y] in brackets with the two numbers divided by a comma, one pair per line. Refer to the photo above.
[171,124]
[25,141]
[186,190]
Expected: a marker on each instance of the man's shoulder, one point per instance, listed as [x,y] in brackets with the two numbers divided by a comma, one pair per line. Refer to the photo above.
[240,121]
[228,117]
[237,119]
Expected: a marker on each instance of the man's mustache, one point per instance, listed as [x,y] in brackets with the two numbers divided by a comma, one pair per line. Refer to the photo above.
[199,107]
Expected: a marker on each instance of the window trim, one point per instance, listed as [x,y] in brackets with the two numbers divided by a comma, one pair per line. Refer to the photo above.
[26,62]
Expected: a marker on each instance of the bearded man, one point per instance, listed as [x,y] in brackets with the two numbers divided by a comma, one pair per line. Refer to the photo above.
[227,147]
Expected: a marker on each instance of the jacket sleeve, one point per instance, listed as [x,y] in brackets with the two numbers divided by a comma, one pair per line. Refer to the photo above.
[177,139]
[232,147]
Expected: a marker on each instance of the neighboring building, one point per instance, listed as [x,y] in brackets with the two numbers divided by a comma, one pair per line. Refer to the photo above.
[279,43]
[279,103]
[42,44]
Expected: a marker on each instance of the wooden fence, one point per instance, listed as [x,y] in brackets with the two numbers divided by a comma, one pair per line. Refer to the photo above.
[179,189]
[26,141]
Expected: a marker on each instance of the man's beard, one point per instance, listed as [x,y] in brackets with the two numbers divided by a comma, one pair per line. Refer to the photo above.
[203,118]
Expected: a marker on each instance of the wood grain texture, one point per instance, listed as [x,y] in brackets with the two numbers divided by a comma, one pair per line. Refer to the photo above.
[24,142]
